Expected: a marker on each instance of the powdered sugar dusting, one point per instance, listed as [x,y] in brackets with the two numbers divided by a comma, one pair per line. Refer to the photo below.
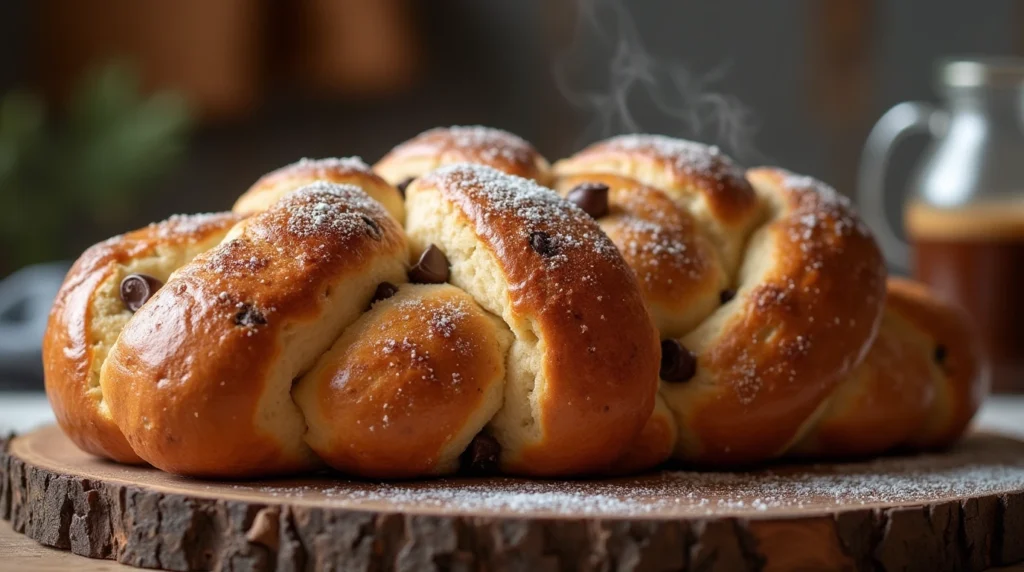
[824,209]
[689,157]
[188,225]
[823,225]
[236,258]
[983,465]
[567,227]
[442,316]
[659,254]
[323,208]
[330,163]
[485,143]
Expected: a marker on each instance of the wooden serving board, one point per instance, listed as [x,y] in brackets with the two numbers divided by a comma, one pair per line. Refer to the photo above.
[962,509]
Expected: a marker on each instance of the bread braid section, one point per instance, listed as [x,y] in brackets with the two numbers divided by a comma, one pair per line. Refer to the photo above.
[89,313]
[271,187]
[581,372]
[474,144]
[200,379]
[799,310]
[298,341]
[408,386]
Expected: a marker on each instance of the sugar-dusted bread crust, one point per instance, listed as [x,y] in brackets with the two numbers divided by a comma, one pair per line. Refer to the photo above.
[271,187]
[680,271]
[199,380]
[406,388]
[808,301]
[700,178]
[670,304]
[88,315]
[918,388]
[798,353]
[463,144]
[582,370]
[767,279]
[883,402]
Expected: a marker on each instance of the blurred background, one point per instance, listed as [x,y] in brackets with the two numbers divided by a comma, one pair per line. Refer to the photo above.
[115,113]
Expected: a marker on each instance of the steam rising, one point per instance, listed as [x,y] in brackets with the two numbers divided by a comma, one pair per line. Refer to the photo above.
[684,104]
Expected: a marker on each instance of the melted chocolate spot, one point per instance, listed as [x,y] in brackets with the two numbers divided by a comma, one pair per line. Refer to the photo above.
[678,364]
[372,228]
[482,456]
[404,185]
[384,291]
[137,289]
[249,316]
[726,296]
[432,267]
[591,197]
[940,354]
[542,243]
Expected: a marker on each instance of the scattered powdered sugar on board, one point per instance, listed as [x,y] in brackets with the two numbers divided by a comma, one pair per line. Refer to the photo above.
[982,465]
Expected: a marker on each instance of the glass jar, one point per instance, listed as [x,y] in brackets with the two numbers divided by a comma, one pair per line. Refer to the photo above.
[963,213]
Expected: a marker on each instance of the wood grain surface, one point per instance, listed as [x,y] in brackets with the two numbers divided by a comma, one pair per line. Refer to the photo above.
[962,509]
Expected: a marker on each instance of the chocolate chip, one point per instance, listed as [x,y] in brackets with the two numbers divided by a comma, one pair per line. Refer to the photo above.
[404,185]
[542,243]
[384,291]
[482,456]
[591,197]
[372,228]
[249,316]
[726,296]
[940,354]
[137,289]
[432,267]
[678,364]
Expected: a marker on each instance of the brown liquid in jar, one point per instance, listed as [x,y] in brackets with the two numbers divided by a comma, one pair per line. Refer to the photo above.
[974,256]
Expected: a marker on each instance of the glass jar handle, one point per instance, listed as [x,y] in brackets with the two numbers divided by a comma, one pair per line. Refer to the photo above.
[904,119]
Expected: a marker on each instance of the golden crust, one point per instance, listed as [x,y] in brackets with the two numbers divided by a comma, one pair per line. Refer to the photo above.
[352,171]
[963,378]
[222,341]
[407,386]
[572,303]
[808,305]
[680,272]
[263,355]
[906,392]
[699,178]
[883,403]
[653,446]
[72,350]
[460,144]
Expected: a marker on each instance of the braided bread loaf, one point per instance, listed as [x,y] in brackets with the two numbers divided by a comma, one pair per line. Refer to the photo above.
[440,311]
[297,340]
[780,337]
